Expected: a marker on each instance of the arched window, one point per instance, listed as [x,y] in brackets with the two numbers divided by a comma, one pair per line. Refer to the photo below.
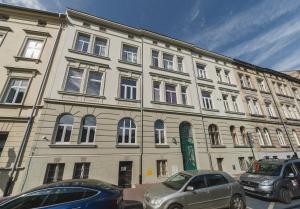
[244,135]
[296,137]
[88,129]
[267,137]
[126,131]
[280,137]
[64,128]
[159,127]
[234,135]
[214,134]
[260,137]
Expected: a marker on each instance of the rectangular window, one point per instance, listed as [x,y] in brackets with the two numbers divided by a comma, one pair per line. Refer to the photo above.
[246,81]
[82,43]
[256,106]
[225,102]
[156,91]
[295,92]
[129,53]
[235,104]
[100,47]
[201,71]
[94,83]
[54,172]
[74,79]
[281,89]
[180,64]
[262,85]
[161,168]
[206,99]
[3,138]
[243,164]
[184,95]
[227,76]
[219,77]
[270,110]
[128,88]
[155,58]
[33,48]
[168,61]
[171,94]
[15,91]
[81,170]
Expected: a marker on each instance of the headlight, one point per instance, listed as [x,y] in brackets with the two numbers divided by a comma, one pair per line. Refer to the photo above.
[266,183]
[156,202]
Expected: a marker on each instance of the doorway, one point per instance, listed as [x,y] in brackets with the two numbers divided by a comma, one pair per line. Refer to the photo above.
[125,174]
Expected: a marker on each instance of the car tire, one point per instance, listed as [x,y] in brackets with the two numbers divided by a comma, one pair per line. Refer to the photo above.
[237,202]
[175,206]
[285,195]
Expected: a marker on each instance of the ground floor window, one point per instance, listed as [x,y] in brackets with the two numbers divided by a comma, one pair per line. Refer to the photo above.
[220,162]
[161,167]
[243,164]
[3,138]
[81,170]
[54,172]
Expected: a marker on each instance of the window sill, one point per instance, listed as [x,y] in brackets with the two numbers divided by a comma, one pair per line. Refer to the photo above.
[205,79]
[127,146]
[12,104]
[17,58]
[89,54]
[130,63]
[268,146]
[286,96]
[128,100]
[257,116]
[274,117]
[248,88]
[293,119]
[237,113]
[169,70]
[169,104]
[80,94]
[218,146]
[227,84]
[284,146]
[162,146]
[242,146]
[264,92]
[72,145]
[211,110]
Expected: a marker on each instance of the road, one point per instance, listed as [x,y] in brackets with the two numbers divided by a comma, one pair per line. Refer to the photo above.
[256,203]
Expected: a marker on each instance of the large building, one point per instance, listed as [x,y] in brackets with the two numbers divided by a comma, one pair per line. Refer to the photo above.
[130,106]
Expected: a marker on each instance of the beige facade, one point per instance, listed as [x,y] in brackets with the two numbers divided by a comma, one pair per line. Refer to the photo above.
[129,106]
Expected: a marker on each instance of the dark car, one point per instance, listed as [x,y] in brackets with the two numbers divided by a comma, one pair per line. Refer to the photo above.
[69,194]
[273,179]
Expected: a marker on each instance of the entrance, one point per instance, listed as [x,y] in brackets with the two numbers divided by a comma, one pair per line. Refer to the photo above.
[187,146]
[125,174]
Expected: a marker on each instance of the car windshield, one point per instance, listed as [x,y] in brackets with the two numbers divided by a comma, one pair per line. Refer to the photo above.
[265,168]
[177,181]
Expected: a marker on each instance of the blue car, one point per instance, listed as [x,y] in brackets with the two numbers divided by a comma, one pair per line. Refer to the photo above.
[69,194]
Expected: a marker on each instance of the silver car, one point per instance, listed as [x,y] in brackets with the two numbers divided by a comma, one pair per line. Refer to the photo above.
[196,189]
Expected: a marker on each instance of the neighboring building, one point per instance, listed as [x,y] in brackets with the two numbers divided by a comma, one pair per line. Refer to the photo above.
[27,39]
[293,73]
[130,106]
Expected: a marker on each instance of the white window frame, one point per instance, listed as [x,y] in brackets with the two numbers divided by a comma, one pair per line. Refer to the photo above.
[156,91]
[207,101]
[218,72]
[270,110]
[130,56]
[235,104]
[227,76]
[131,87]
[160,132]
[103,48]
[18,89]
[184,95]
[260,137]
[295,135]
[89,127]
[154,58]
[201,71]
[88,80]
[168,64]
[81,79]
[24,48]
[225,102]
[280,137]
[180,67]
[267,137]
[159,163]
[171,92]
[262,85]
[130,129]
[62,139]
[83,42]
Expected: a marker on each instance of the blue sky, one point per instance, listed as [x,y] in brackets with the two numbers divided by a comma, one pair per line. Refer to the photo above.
[262,32]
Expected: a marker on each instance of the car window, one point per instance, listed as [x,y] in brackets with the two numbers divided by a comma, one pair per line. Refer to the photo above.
[64,195]
[288,169]
[27,201]
[198,182]
[297,165]
[215,180]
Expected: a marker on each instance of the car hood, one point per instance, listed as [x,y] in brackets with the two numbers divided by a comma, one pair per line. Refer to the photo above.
[256,177]
[160,191]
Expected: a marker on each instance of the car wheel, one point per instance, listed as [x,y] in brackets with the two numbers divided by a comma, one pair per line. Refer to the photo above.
[237,202]
[175,206]
[285,195]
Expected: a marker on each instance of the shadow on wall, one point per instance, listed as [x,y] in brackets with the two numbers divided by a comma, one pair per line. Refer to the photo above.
[4,171]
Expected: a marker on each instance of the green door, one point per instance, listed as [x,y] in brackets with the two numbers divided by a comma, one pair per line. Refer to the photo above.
[187,146]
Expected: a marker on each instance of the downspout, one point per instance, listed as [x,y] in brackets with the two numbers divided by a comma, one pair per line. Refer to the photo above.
[281,118]
[142,114]
[18,160]
[202,119]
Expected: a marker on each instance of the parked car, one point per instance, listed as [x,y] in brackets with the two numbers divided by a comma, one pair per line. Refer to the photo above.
[194,190]
[69,194]
[273,179]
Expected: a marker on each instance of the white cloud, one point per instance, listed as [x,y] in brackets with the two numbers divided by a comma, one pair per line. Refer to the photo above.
[288,62]
[33,4]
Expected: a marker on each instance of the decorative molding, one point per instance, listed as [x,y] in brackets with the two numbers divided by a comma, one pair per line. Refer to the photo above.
[39,33]
[127,146]
[72,145]
[71,59]
[80,94]
[204,79]
[171,71]
[227,84]
[5,28]
[128,100]
[129,70]
[130,63]
[176,105]
[17,58]
[88,54]
[170,77]
[11,69]
[229,90]
[206,85]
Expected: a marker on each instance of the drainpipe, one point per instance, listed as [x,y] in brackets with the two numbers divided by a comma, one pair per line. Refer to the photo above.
[142,115]
[202,119]
[281,119]
[18,160]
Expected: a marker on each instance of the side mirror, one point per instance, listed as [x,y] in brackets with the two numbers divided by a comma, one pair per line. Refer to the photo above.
[189,188]
[291,175]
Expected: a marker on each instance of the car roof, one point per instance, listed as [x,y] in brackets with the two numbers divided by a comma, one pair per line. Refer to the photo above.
[86,183]
[202,172]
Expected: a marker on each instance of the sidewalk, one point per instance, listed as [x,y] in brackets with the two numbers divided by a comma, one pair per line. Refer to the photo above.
[137,193]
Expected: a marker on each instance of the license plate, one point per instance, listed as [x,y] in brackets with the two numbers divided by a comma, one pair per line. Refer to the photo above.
[249,188]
